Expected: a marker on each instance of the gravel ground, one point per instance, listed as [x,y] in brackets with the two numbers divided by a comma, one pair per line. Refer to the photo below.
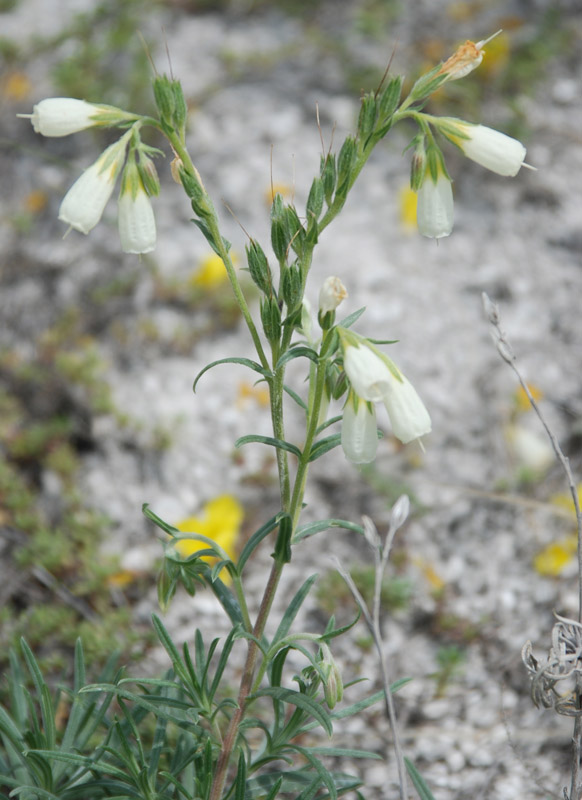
[519,240]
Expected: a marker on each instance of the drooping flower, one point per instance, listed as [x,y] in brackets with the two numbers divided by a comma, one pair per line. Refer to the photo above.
[83,205]
[435,209]
[375,378]
[359,434]
[490,148]
[137,224]
[61,116]
[465,59]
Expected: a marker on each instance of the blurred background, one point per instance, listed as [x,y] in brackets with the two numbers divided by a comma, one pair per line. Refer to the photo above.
[98,350]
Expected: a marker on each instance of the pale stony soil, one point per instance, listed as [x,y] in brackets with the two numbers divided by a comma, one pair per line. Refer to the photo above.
[519,240]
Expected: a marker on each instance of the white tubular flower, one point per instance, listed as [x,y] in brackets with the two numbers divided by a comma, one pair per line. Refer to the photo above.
[61,116]
[331,294]
[137,225]
[83,205]
[490,148]
[435,208]
[374,377]
[359,435]
[368,373]
[408,415]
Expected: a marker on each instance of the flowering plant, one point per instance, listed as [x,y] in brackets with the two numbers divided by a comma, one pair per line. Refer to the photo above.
[207,744]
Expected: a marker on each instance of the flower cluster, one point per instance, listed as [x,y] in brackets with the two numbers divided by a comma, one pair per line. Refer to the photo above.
[83,205]
[490,148]
[374,378]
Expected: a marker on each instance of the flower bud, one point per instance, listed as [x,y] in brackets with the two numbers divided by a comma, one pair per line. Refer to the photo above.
[331,295]
[291,286]
[259,267]
[333,686]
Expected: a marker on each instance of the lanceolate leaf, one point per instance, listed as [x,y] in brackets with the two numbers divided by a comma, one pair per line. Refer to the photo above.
[351,318]
[300,701]
[312,528]
[255,540]
[419,783]
[324,446]
[246,362]
[293,608]
[298,352]
[279,443]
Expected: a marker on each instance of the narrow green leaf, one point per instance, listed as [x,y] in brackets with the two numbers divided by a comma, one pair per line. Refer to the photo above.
[300,402]
[348,321]
[255,540]
[298,352]
[165,526]
[312,528]
[241,778]
[419,783]
[340,752]
[278,443]
[327,423]
[301,701]
[293,609]
[323,446]
[324,775]
[246,362]
[171,649]
[209,237]
[228,601]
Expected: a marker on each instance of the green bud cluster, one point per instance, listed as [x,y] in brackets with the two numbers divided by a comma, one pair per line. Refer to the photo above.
[171,104]
[259,268]
[271,319]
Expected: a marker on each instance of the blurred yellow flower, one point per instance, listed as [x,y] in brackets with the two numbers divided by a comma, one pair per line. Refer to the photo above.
[35,201]
[259,393]
[520,399]
[16,86]
[211,272]
[553,558]
[565,500]
[219,520]
[407,202]
[283,189]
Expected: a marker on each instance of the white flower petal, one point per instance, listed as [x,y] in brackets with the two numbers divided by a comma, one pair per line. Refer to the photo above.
[137,224]
[61,116]
[492,149]
[359,434]
[408,416]
[435,209]
[367,373]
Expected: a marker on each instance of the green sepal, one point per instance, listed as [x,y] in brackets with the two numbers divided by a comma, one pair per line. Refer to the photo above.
[180,107]
[279,230]
[165,98]
[345,164]
[271,319]
[367,117]
[296,231]
[427,84]
[291,286]
[389,99]
[259,269]
[282,552]
[315,200]
[328,177]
